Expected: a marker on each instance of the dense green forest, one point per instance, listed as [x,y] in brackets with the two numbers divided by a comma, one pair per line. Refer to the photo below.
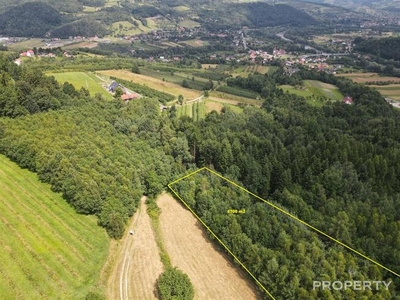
[385,48]
[336,167]
[32,19]
[280,252]
[257,14]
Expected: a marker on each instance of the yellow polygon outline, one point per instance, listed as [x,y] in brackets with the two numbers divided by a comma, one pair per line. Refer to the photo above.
[272,205]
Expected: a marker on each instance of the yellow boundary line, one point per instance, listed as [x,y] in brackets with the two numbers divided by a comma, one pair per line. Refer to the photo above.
[274,206]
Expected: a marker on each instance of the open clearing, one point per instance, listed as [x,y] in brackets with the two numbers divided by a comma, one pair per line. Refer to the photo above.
[189,248]
[154,83]
[84,44]
[391,90]
[27,44]
[137,263]
[47,251]
[366,77]
[81,79]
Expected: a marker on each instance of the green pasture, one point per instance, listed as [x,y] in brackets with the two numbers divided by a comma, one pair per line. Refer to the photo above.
[82,79]
[315,92]
[320,89]
[196,43]
[189,24]
[47,250]
[390,91]
[27,44]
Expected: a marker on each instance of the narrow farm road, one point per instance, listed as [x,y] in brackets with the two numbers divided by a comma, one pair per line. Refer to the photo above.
[137,264]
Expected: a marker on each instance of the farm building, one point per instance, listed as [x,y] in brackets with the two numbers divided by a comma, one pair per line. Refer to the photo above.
[113,86]
[127,97]
[347,100]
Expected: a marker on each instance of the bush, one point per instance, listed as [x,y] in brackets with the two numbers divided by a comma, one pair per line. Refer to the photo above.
[174,284]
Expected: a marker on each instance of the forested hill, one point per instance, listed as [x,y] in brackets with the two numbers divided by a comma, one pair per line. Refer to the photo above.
[61,18]
[336,167]
[34,19]
[70,6]
[256,14]
[387,48]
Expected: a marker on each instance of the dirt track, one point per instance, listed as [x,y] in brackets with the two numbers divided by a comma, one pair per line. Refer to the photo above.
[189,248]
[137,264]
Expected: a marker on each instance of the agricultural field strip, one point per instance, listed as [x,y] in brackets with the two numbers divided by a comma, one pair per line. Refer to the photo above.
[42,236]
[41,244]
[153,82]
[275,207]
[46,230]
[56,210]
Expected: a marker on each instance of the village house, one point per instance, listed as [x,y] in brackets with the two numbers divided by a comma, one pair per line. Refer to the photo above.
[128,97]
[28,53]
[347,100]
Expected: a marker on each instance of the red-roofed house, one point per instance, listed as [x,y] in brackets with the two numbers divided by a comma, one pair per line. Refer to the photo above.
[127,97]
[347,100]
[28,53]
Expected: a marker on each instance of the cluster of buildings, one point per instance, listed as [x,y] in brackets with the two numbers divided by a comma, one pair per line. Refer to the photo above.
[127,94]
[30,54]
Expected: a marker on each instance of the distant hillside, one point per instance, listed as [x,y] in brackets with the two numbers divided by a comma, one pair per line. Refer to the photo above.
[84,27]
[386,48]
[68,18]
[371,7]
[32,19]
[255,14]
[69,6]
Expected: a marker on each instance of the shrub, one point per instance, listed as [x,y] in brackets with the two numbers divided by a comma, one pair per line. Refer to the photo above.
[174,284]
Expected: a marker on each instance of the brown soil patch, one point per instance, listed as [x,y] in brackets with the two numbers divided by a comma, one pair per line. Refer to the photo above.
[210,106]
[212,274]
[137,263]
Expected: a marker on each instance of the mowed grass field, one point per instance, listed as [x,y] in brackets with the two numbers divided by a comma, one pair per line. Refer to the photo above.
[366,77]
[47,251]
[82,79]
[321,89]
[316,92]
[155,83]
[390,91]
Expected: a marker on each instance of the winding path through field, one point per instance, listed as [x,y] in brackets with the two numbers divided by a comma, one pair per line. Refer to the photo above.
[138,264]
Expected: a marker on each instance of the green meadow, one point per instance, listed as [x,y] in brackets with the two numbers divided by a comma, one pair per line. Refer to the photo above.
[47,250]
[83,79]
[315,92]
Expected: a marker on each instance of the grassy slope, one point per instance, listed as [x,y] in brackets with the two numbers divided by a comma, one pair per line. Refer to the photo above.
[47,251]
[316,90]
[82,79]
[154,83]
